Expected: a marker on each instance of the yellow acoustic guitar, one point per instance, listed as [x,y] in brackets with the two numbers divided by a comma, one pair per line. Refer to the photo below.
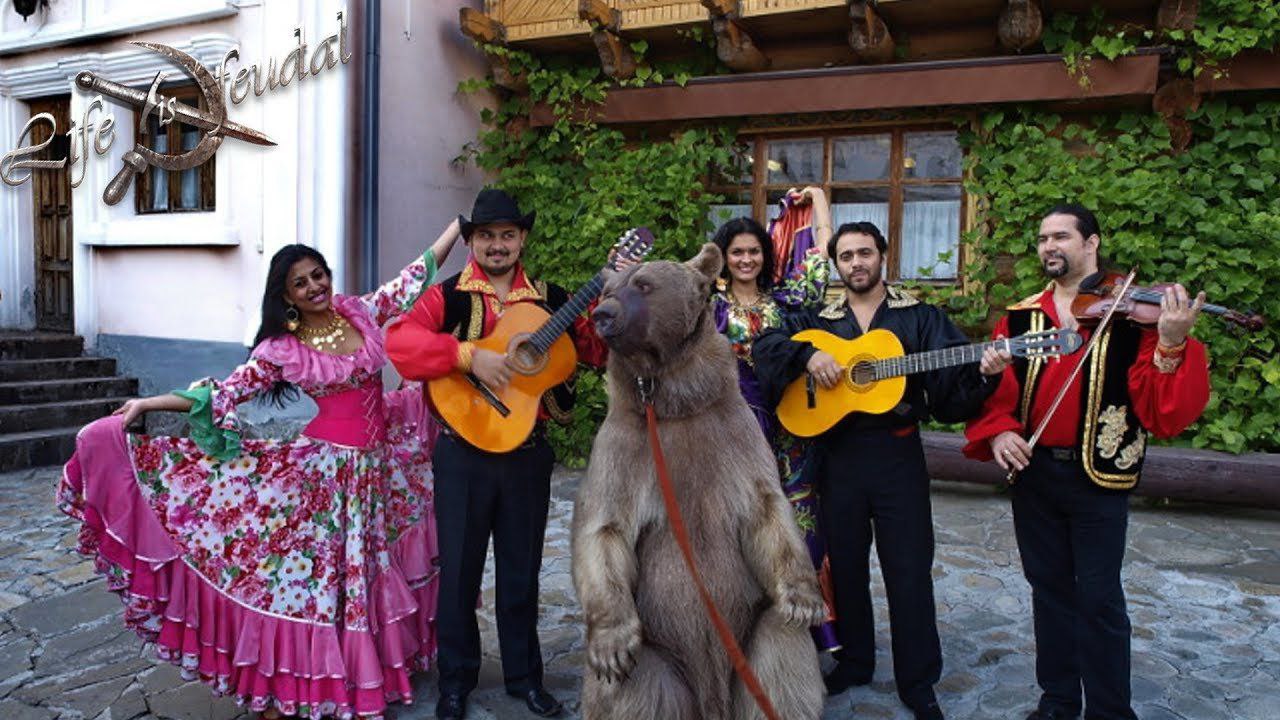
[500,420]
[876,370]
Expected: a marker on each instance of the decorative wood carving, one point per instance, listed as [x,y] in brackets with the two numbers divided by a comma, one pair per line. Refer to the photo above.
[1020,25]
[1177,15]
[734,46]
[615,55]
[869,37]
[487,31]
[1173,101]
[480,27]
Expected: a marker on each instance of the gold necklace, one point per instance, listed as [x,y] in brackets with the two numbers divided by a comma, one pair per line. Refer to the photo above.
[327,338]
[744,303]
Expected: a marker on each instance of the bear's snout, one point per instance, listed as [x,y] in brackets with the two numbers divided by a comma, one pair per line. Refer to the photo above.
[607,317]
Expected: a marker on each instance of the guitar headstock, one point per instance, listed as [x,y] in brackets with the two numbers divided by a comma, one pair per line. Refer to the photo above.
[633,245]
[1048,343]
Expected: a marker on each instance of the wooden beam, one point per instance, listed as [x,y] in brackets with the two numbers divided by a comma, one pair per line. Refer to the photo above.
[480,27]
[598,13]
[1172,102]
[1251,480]
[722,7]
[1253,70]
[486,31]
[734,47]
[616,57]
[1177,15]
[1005,79]
[1020,25]
[869,36]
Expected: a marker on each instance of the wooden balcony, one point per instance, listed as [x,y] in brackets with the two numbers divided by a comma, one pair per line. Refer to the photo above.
[794,33]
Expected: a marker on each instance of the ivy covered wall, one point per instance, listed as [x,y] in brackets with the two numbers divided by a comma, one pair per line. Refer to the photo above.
[1208,217]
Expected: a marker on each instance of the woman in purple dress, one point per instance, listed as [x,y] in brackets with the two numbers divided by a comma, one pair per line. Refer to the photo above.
[746,303]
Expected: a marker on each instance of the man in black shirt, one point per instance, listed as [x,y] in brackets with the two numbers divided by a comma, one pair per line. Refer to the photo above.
[871,474]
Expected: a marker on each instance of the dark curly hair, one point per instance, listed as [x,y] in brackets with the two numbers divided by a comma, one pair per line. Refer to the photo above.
[862,228]
[743,225]
[274,307]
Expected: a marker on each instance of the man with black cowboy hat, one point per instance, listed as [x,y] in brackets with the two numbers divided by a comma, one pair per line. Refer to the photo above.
[479,493]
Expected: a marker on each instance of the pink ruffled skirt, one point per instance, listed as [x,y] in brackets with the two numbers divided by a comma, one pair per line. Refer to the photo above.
[300,575]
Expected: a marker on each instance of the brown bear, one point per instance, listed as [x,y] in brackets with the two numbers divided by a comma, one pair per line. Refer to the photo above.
[652,651]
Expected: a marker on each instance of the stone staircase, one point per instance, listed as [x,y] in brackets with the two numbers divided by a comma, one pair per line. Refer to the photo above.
[48,391]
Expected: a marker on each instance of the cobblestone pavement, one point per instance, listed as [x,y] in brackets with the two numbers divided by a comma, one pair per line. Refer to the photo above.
[1203,586]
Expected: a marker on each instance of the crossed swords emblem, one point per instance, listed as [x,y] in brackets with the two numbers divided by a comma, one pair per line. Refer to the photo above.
[213,120]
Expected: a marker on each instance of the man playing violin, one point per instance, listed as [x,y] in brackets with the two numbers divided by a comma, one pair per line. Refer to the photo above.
[871,477]
[1071,494]
[479,493]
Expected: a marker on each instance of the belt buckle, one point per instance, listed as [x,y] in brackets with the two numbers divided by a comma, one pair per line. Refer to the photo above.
[1063,454]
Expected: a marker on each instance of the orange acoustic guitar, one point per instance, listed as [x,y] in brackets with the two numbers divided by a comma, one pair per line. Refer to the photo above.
[500,420]
[876,370]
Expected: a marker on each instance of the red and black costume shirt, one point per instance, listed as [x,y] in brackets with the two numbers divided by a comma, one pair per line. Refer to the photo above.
[1119,396]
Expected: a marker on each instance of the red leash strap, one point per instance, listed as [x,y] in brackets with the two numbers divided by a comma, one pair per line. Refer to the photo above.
[682,539]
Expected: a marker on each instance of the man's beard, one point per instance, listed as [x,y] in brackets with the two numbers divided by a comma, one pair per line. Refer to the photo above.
[1063,268]
[873,279]
[498,265]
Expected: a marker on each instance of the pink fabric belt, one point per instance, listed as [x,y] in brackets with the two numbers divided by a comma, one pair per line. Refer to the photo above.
[353,417]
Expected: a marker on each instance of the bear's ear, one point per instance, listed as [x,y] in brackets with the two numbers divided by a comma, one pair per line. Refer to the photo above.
[709,261]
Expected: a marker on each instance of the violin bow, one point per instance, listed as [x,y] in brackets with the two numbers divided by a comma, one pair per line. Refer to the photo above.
[1062,392]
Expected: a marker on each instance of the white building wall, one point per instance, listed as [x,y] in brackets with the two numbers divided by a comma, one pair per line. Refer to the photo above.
[190,276]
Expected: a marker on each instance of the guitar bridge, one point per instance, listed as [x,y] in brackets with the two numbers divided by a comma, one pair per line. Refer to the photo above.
[488,395]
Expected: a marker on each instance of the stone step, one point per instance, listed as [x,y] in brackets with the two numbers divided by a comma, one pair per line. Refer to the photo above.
[29,392]
[56,368]
[29,346]
[26,418]
[37,448]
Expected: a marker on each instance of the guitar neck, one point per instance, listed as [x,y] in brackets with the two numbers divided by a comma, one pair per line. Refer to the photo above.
[563,318]
[931,360]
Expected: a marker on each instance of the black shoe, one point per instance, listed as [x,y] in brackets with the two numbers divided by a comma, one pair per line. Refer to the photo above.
[928,711]
[845,676]
[1052,714]
[452,706]
[539,701]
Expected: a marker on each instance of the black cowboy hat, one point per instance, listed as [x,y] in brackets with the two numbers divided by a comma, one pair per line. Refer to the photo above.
[494,206]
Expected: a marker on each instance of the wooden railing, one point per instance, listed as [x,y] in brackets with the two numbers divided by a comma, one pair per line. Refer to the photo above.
[535,19]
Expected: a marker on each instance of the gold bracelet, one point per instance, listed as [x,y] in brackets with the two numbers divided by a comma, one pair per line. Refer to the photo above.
[1166,365]
[1175,351]
[463,361]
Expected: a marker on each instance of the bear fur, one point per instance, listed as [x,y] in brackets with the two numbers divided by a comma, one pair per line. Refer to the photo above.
[652,651]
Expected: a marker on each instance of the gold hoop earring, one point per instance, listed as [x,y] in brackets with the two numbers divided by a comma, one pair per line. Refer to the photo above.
[291,318]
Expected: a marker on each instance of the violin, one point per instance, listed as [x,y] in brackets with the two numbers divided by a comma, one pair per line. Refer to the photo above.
[1140,304]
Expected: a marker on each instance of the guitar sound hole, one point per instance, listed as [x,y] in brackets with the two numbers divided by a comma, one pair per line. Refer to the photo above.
[864,373]
[526,357]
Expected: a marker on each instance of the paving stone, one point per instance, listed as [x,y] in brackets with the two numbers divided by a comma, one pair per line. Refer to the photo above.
[9,600]
[63,613]
[1206,634]
[192,701]
[15,657]
[14,710]
[131,704]
[91,700]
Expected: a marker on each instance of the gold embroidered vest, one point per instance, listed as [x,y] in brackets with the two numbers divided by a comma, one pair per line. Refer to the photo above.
[1113,442]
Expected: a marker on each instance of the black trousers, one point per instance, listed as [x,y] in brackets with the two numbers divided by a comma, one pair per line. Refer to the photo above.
[1071,535]
[874,484]
[478,494]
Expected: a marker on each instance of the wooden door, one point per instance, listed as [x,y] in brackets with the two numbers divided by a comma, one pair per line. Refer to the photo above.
[51,194]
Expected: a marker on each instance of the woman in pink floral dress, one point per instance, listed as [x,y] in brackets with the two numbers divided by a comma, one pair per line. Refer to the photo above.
[296,576]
